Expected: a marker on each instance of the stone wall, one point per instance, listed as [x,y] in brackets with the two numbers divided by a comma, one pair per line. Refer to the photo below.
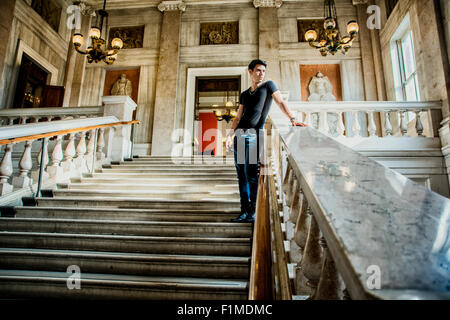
[31,34]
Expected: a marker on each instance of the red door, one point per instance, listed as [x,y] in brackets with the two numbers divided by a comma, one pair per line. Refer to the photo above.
[207,140]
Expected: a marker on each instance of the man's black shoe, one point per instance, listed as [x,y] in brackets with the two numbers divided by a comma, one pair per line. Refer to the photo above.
[241,218]
[250,218]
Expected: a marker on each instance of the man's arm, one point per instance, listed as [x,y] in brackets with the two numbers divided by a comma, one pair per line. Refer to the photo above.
[285,109]
[234,125]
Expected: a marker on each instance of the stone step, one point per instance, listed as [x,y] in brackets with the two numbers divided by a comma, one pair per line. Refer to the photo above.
[44,284]
[132,228]
[172,172]
[196,215]
[146,186]
[126,263]
[152,180]
[140,164]
[118,243]
[149,195]
[138,203]
[154,175]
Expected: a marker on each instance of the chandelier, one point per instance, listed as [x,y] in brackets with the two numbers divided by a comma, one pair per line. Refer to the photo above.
[228,115]
[96,51]
[332,42]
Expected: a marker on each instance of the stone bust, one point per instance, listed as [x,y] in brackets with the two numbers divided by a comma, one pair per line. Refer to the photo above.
[122,87]
[320,89]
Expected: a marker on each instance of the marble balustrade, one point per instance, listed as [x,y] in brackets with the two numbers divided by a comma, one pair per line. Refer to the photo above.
[361,230]
[9,117]
[358,118]
[84,151]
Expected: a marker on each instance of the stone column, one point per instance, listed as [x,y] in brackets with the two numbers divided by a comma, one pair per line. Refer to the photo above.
[6,19]
[269,42]
[75,67]
[367,54]
[118,144]
[166,80]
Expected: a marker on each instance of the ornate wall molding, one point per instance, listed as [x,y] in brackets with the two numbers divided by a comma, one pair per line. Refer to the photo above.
[172,6]
[267,3]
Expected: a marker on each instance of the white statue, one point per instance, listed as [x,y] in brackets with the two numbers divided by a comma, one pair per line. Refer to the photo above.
[320,89]
[122,87]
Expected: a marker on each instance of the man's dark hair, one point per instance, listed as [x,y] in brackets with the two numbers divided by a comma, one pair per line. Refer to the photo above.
[255,62]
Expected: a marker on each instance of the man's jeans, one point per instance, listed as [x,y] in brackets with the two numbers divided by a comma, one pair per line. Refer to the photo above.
[246,160]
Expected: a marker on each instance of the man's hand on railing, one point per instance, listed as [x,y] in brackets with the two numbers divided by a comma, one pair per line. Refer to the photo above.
[297,124]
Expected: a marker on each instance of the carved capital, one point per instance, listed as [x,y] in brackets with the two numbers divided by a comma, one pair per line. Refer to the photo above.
[172,6]
[267,3]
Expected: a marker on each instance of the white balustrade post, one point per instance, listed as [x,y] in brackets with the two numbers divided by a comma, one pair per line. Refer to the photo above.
[25,165]
[403,123]
[308,118]
[80,161]
[45,175]
[90,150]
[67,164]
[356,125]
[419,126]
[340,124]
[122,108]
[387,124]
[55,171]
[6,170]
[100,145]
[372,126]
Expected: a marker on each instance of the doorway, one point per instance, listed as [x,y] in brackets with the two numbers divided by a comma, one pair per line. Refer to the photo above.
[216,100]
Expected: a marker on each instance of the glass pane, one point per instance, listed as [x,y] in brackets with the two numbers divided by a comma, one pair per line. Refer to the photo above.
[408,55]
[410,90]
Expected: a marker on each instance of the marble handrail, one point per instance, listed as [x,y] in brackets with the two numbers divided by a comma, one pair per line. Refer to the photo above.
[364,220]
[35,114]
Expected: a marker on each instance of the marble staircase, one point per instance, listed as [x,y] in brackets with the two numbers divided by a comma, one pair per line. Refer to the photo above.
[145,228]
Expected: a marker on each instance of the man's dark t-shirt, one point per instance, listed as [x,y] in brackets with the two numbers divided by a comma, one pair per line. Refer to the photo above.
[256,105]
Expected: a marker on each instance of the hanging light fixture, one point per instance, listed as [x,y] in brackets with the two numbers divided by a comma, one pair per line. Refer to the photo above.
[230,110]
[332,42]
[96,52]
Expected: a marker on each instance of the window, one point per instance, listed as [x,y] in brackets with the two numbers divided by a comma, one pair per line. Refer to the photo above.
[404,64]
[408,72]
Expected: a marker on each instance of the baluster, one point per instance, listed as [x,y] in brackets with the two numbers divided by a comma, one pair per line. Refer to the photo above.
[67,164]
[6,170]
[25,165]
[356,125]
[45,175]
[301,226]
[323,123]
[80,161]
[372,126]
[341,124]
[403,123]
[328,288]
[100,145]
[90,149]
[308,118]
[23,119]
[312,259]
[288,188]
[419,126]
[295,196]
[387,124]
[55,171]
[11,121]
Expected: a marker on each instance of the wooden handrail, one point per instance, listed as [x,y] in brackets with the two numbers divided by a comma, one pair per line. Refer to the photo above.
[260,286]
[64,132]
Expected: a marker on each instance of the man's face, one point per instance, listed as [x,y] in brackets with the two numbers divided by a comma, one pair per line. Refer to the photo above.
[258,73]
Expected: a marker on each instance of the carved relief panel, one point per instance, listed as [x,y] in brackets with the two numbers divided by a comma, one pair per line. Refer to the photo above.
[219,33]
[132,37]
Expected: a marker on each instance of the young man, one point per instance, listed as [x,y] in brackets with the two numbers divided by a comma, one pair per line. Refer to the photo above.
[254,105]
